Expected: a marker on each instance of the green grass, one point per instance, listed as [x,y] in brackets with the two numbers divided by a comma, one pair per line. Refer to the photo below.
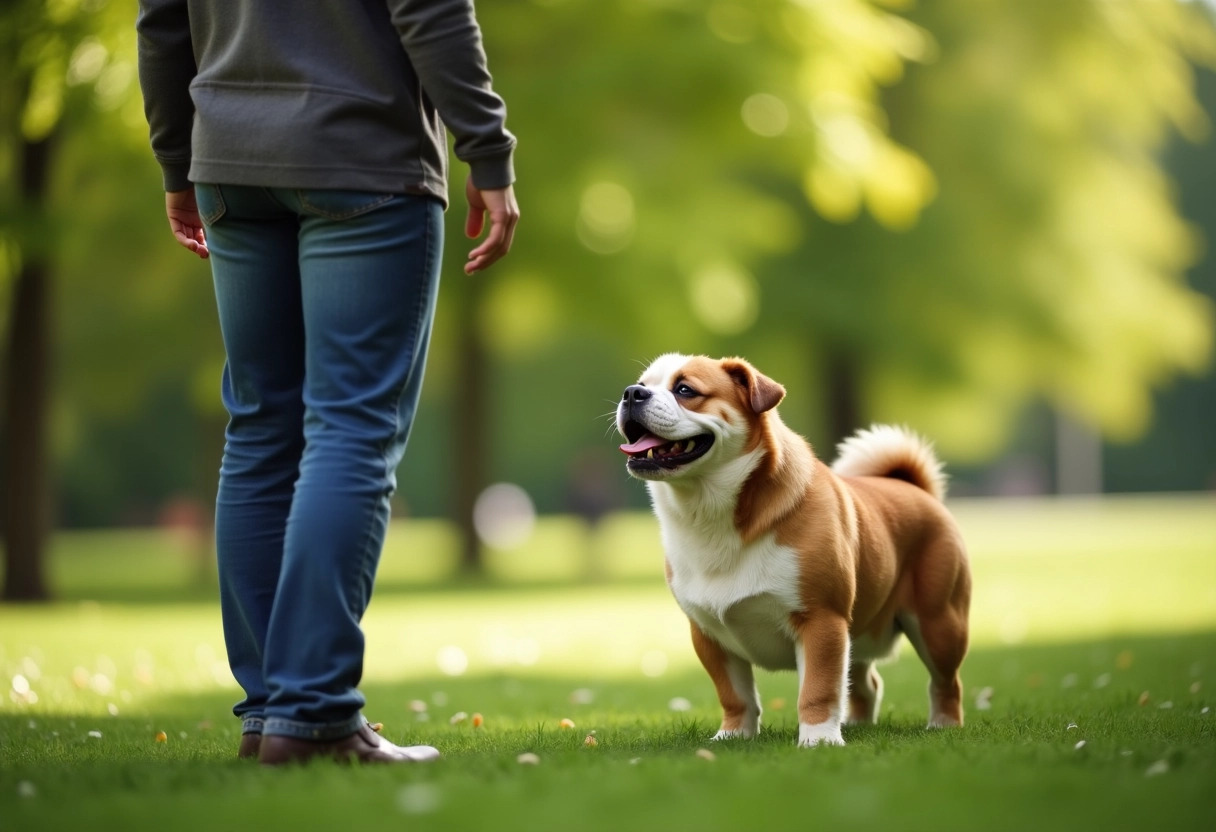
[1081,610]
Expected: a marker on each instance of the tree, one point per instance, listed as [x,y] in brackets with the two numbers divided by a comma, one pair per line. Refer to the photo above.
[961,207]
[35,49]
[633,165]
[72,120]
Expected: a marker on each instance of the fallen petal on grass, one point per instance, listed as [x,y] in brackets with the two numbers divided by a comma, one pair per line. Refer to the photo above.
[95,735]
[1079,745]
[567,724]
[706,754]
[679,703]
[590,741]
[417,706]
[1143,700]
[1156,769]
[528,759]
[26,789]
[477,720]
[458,717]
[161,736]
[418,799]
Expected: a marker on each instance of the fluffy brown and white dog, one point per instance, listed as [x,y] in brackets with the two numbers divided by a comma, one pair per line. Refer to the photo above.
[782,562]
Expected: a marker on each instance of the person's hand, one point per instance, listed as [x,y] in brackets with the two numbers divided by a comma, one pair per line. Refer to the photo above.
[504,214]
[184,221]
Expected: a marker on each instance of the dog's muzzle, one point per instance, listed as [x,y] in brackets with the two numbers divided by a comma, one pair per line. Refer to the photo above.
[647,451]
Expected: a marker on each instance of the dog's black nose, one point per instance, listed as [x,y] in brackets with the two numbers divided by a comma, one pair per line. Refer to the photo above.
[636,393]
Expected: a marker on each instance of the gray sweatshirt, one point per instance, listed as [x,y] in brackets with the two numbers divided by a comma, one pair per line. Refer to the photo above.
[349,94]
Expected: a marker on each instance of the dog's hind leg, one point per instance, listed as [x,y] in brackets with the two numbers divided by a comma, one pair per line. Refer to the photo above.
[865,692]
[936,624]
[735,683]
[941,643]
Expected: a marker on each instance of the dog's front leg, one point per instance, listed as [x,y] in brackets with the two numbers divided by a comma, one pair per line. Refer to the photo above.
[735,683]
[822,653]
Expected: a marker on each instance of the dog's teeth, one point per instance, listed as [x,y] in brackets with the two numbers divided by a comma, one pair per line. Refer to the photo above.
[650,454]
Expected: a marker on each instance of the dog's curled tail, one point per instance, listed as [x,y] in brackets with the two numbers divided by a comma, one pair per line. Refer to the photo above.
[890,451]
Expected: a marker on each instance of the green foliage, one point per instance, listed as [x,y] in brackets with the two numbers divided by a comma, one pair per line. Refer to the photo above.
[1021,240]
[963,199]
[1055,231]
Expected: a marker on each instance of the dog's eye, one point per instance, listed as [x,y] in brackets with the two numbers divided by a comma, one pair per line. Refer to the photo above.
[684,391]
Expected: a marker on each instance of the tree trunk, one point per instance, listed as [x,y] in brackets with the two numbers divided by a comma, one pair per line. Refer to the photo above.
[26,511]
[844,398]
[470,438]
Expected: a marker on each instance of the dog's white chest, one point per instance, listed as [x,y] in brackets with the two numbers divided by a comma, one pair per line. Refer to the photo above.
[742,599]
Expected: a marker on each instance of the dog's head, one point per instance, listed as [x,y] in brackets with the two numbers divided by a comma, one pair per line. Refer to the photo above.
[690,414]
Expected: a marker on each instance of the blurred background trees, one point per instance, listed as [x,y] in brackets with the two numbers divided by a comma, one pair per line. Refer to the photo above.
[974,217]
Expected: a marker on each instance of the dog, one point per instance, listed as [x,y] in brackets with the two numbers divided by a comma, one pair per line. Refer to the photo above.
[784,563]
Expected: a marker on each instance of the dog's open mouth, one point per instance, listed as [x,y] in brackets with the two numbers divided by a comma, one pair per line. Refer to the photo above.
[648,452]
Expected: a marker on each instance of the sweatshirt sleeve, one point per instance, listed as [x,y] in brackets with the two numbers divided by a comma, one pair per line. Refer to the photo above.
[443,42]
[166,67]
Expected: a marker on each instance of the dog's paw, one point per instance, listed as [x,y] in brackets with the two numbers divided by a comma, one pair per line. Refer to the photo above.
[824,733]
[738,733]
[943,721]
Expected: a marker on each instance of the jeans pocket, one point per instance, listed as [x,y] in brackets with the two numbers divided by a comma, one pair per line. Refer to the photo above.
[339,205]
[210,201]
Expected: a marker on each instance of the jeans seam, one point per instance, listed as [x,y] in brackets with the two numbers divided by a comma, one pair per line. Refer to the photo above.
[221,207]
[423,298]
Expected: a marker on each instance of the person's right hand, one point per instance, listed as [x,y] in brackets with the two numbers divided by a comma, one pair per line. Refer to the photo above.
[504,214]
[184,221]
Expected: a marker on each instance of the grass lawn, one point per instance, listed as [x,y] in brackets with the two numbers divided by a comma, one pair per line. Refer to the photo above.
[1094,651]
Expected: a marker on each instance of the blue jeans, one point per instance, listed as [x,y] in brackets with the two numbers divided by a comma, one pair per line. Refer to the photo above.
[325,301]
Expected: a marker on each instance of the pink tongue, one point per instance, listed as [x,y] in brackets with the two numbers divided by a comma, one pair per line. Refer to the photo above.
[644,444]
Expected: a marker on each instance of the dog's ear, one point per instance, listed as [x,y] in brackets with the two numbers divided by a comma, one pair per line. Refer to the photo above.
[763,393]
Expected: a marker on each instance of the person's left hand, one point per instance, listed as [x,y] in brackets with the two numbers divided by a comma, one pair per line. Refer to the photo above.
[500,206]
[184,221]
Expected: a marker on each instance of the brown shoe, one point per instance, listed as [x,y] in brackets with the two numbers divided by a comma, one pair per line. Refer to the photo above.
[250,743]
[363,746]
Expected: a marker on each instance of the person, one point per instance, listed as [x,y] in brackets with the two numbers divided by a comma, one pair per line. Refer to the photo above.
[304,153]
